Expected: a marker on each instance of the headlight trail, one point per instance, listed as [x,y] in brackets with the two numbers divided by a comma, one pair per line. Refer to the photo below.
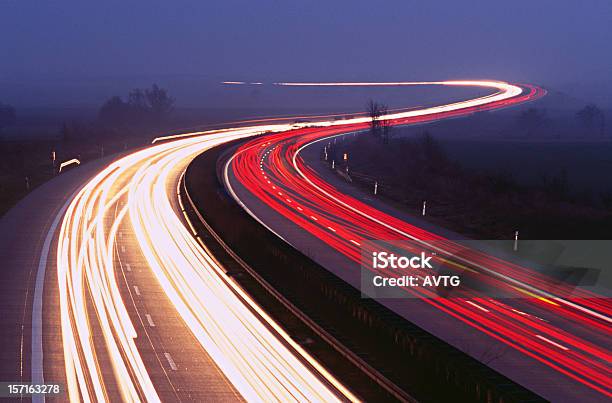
[254,353]
[271,169]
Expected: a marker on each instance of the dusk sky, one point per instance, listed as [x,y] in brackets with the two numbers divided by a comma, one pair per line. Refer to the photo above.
[71,52]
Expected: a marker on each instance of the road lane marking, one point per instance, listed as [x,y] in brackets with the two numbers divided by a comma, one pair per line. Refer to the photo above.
[314,218]
[150,320]
[37,305]
[122,249]
[478,306]
[128,267]
[331,229]
[171,361]
[137,290]
[552,342]
[355,242]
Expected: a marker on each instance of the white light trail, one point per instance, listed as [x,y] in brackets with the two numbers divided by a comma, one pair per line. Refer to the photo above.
[255,354]
[230,326]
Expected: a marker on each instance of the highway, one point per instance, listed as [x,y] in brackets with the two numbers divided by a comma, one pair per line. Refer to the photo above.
[256,357]
[122,303]
[559,345]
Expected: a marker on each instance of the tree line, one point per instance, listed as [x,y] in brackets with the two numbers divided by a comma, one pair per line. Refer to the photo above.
[147,106]
[591,118]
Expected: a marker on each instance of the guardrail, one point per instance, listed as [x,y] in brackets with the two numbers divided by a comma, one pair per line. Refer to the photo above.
[407,356]
[332,341]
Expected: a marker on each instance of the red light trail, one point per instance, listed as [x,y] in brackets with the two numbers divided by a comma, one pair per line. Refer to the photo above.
[270,167]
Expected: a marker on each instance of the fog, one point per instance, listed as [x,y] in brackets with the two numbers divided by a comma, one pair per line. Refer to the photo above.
[77,54]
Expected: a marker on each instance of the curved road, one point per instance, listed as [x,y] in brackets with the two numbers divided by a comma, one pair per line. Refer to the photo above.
[556,345]
[122,303]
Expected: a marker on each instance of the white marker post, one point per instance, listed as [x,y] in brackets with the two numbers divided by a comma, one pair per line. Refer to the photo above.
[334,164]
[515,241]
[375,187]
[27,182]
[325,150]
[424,207]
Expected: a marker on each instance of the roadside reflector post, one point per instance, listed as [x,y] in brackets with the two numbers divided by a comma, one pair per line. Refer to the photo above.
[334,164]
[375,187]
[27,182]
[515,248]
[424,207]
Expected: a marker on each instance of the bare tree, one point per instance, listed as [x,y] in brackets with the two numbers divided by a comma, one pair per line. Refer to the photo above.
[7,115]
[379,128]
[591,116]
[385,125]
[373,109]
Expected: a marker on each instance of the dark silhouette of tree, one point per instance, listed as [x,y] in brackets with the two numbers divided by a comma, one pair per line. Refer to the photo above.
[379,128]
[385,125]
[532,119]
[8,116]
[159,102]
[374,111]
[142,107]
[591,117]
[115,112]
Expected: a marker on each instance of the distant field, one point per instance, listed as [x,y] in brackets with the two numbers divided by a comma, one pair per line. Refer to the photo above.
[587,164]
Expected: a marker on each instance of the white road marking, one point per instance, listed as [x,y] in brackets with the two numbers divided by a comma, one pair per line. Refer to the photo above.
[171,362]
[355,242]
[122,249]
[552,342]
[37,305]
[128,267]
[331,229]
[137,291]
[150,320]
[477,306]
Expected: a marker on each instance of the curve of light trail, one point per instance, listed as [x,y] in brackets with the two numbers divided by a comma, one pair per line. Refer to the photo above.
[575,342]
[261,361]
